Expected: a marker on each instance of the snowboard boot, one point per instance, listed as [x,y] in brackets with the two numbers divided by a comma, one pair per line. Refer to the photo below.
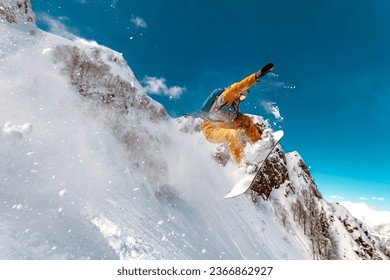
[263,71]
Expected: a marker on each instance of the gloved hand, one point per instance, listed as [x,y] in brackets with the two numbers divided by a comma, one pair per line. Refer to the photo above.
[263,71]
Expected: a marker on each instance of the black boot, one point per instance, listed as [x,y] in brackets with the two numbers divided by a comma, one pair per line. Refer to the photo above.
[265,70]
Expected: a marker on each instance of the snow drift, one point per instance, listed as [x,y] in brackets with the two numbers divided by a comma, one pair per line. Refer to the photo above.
[92,168]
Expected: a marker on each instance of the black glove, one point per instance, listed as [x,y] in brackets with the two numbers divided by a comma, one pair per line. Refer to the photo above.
[263,71]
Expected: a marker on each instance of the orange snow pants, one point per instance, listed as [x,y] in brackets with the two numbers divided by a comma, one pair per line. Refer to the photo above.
[230,133]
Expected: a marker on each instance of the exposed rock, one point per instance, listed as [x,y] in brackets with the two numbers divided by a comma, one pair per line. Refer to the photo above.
[17,11]
[93,77]
[275,174]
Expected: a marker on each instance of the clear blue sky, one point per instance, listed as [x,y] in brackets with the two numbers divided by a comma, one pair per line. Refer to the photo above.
[332,62]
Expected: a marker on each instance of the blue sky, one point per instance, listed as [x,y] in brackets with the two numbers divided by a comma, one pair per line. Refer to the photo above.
[331,82]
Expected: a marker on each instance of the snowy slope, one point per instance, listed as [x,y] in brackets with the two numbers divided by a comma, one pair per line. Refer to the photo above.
[377,222]
[92,168]
[368,215]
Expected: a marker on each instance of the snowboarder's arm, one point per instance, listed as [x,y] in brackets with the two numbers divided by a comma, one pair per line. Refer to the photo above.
[234,91]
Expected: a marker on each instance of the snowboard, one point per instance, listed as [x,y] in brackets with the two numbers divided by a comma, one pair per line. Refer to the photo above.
[248,181]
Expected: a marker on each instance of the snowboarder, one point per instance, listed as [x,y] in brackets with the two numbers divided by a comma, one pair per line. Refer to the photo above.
[223,121]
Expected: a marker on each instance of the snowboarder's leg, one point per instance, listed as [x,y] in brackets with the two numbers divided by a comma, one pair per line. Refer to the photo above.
[251,130]
[236,148]
[218,132]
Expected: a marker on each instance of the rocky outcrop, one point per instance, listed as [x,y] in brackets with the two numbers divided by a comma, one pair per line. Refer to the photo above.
[275,168]
[365,245]
[109,88]
[95,73]
[17,11]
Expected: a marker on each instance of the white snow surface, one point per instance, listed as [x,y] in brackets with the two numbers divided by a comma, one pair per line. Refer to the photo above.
[369,215]
[378,222]
[71,188]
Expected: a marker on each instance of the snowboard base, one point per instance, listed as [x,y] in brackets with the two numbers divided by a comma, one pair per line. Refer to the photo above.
[246,182]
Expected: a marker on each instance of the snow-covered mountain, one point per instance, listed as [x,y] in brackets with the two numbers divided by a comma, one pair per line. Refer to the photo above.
[377,222]
[93,168]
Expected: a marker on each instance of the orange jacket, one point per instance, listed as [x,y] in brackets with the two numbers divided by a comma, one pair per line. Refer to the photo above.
[226,106]
[233,92]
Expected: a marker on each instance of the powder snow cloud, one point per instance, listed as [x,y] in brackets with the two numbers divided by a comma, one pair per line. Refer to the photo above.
[138,22]
[157,86]
[57,26]
[273,109]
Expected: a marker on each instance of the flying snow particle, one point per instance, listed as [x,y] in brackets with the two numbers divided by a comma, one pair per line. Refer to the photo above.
[62,192]
[138,22]
[17,207]
[46,51]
